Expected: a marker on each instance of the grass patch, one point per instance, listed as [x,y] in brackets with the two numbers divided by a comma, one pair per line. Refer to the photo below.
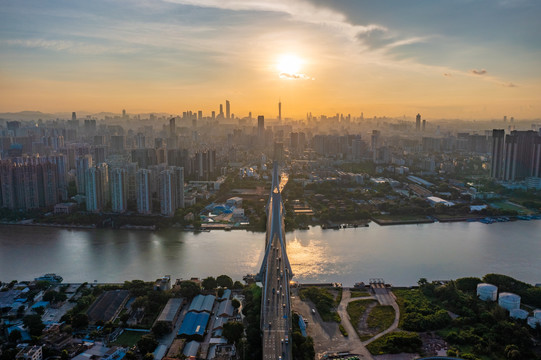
[358,293]
[128,338]
[396,342]
[324,301]
[380,318]
[356,309]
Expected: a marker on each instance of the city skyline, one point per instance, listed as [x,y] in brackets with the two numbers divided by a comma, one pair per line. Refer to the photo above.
[465,59]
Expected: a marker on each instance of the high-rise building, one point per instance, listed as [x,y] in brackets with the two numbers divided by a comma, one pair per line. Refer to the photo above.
[498,146]
[279,110]
[82,164]
[172,128]
[131,171]
[261,130]
[221,114]
[60,161]
[118,144]
[140,142]
[522,155]
[179,171]
[424,125]
[95,201]
[73,116]
[168,192]
[227,110]
[417,122]
[119,190]
[144,194]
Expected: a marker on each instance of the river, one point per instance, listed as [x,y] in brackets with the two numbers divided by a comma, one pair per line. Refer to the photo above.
[399,254]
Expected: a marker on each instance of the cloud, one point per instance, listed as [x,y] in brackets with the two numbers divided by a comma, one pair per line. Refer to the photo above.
[295,76]
[510,84]
[300,11]
[447,75]
[478,72]
[66,45]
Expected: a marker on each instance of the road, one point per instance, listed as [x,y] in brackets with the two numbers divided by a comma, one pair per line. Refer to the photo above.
[275,275]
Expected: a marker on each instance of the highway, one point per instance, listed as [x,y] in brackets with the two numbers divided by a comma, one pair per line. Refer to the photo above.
[275,275]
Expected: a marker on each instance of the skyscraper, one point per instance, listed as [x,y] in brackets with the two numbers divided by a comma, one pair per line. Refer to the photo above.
[94,190]
[418,122]
[498,146]
[82,164]
[221,114]
[522,155]
[144,194]
[172,128]
[261,130]
[168,192]
[119,190]
[280,110]
[227,109]
[73,116]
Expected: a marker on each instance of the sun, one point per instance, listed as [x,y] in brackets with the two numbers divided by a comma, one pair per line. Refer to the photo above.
[289,64]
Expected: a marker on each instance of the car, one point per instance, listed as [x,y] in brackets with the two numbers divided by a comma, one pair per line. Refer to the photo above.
[283,305]
[314,311]
[287,339]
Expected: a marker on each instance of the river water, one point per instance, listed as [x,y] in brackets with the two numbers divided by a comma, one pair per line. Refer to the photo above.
[399,254]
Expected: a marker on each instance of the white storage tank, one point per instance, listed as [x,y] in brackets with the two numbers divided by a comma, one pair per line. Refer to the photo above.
[487,292]
[509,301]
[518,314]
[537,313]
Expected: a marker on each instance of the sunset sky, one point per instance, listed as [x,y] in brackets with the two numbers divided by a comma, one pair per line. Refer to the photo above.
[471,59]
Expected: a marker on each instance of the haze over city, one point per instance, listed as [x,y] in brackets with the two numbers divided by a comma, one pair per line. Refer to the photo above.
[459,59]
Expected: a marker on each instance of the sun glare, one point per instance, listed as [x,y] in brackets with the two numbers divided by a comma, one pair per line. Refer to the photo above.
[289,64]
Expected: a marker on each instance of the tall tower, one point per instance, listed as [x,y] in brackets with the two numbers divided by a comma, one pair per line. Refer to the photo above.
[144,198]
[221,114]
[227,109]
[497,153]
[119,190]
[74,116]
[280,110]
[261,129]
[418,122]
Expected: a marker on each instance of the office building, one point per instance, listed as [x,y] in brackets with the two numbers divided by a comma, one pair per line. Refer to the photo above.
[418,122]
[227,110]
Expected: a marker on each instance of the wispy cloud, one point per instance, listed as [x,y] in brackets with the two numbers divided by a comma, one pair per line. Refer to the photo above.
[66,45]
[295,76]
[478,72]
[299,11]
[510,84]
[447,75]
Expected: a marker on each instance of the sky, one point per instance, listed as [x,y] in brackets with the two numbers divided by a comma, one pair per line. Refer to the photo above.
[469,59]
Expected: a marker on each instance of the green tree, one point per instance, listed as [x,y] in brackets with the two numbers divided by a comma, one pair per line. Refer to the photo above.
[148,356]
[15,336]
[209,283]
[147,344]
[130,355]
[79,321]
[233,331]
[189,289]
[235,303]
[237,285]
[224,281]
[34,324]
[39,310]
[160,329]
[64,355]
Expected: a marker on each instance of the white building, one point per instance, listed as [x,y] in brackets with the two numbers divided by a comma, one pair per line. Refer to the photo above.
[30,353]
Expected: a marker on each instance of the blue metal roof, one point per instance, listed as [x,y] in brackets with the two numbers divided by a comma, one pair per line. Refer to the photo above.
[194,324]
